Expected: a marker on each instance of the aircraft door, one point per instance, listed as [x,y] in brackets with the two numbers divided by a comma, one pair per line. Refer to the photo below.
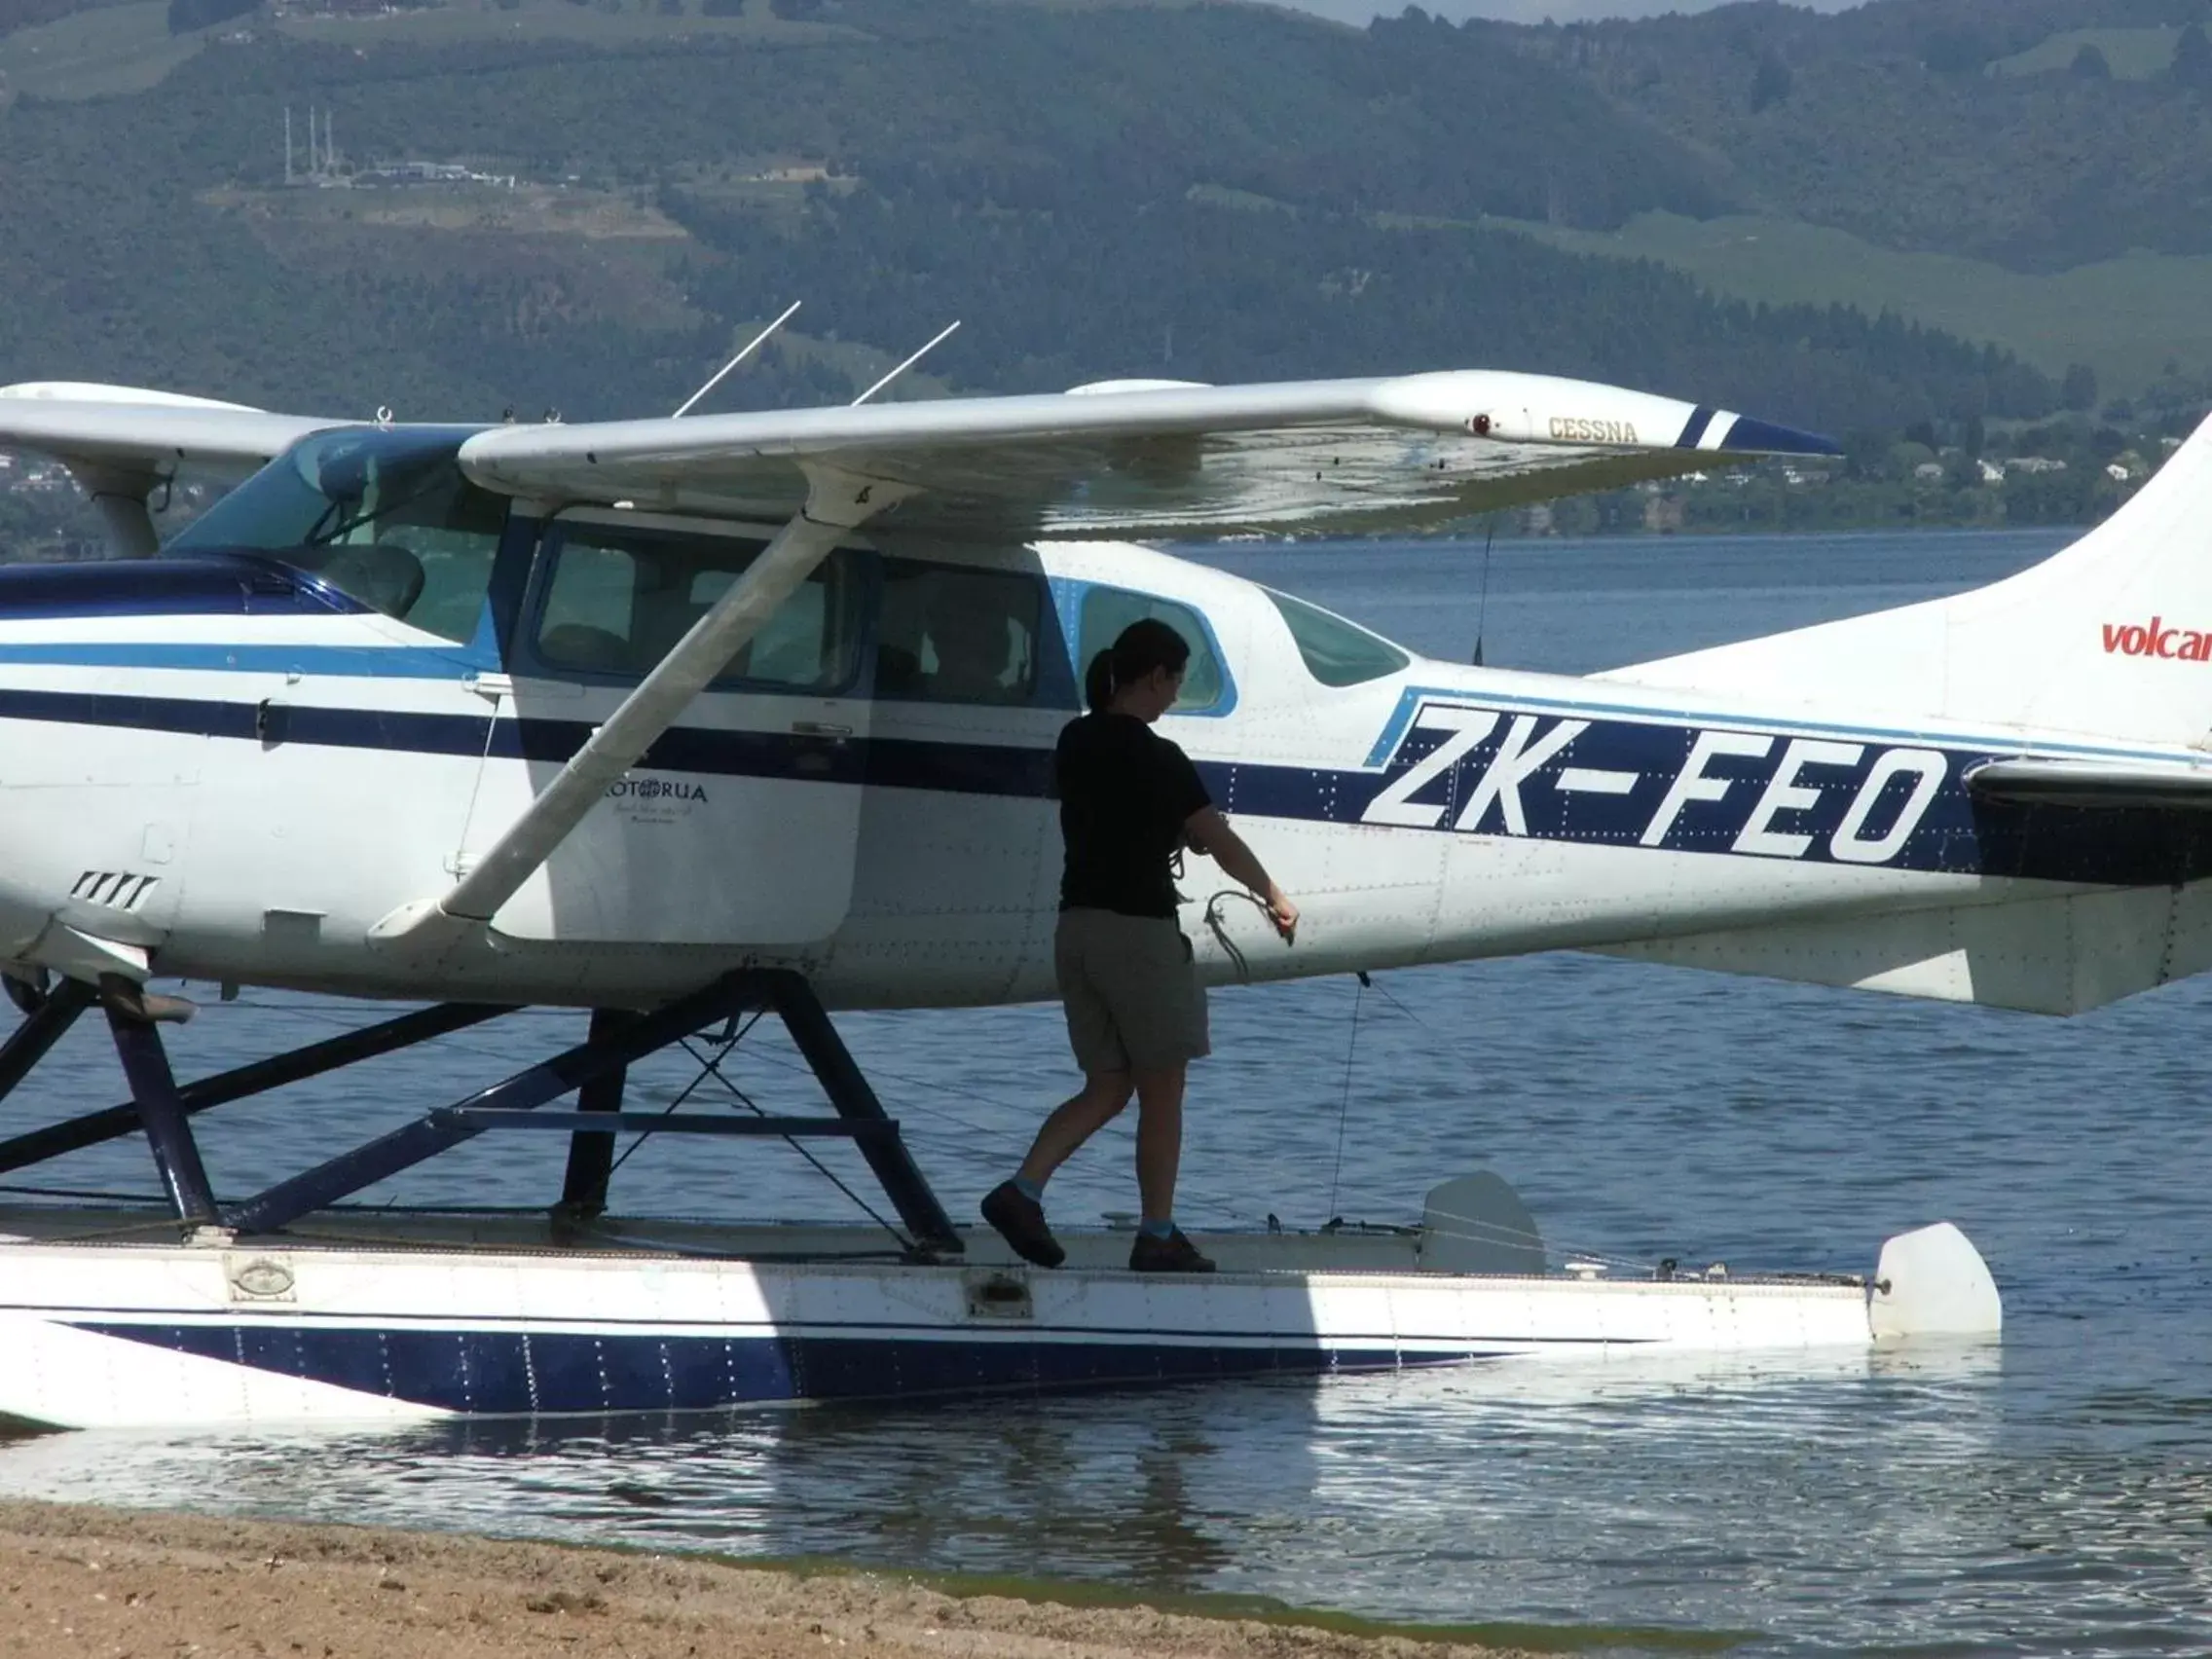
[740,825]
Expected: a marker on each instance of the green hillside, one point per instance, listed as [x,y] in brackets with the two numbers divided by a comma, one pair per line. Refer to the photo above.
[92,53]
[1905,123]
[2130,318]
[1215,191]
[1039,171]
[2130,54]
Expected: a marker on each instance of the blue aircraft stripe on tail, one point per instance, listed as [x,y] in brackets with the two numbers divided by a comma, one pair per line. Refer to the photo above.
[1694,433]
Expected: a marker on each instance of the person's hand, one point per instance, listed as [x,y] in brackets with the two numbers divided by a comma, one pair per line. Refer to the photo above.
[1284,915]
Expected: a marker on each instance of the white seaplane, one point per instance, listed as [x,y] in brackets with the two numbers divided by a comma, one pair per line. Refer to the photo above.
[677,718]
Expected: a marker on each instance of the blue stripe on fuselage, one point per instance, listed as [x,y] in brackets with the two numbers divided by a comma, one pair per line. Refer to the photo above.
[336,662]
[1625,775]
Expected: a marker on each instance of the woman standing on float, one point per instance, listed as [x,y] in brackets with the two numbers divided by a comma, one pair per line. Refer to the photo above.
[1129,800]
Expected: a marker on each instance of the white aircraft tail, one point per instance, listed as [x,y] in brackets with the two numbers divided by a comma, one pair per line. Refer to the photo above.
[2111,638]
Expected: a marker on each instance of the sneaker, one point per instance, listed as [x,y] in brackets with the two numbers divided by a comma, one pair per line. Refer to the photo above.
[1020,1222]
[1173,1254]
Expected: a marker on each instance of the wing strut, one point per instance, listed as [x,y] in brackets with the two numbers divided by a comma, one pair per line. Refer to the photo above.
[834,505]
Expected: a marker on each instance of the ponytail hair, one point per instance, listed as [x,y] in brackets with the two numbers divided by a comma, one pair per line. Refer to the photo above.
[1143,646]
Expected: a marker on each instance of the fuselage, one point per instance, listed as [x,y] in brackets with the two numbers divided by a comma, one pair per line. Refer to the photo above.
[320,708]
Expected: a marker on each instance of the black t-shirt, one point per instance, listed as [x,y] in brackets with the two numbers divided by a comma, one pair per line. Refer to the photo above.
[1125,793]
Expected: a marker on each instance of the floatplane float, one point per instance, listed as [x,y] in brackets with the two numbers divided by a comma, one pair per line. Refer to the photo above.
[681,719]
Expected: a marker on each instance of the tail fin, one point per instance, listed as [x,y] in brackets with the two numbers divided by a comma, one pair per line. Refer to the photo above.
[2111,638]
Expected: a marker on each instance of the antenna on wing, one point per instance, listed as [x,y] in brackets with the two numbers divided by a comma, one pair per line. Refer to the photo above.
[943,335]
[722,374]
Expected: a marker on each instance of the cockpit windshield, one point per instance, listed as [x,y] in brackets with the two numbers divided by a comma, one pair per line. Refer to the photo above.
[381,515]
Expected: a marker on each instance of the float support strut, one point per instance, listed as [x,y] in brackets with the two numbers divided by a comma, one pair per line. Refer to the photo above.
[29,1043]
[36,1146]
[591,1157]
[384,1158]
[847,1087]
[153,1089]
[595,1071]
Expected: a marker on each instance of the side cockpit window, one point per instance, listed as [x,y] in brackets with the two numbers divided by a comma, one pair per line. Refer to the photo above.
[1106,611]
[951,633]
[1336,652]
[616,600]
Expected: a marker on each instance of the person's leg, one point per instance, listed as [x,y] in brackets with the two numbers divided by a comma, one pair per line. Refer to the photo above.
[1160,1246]
[1017,1206]
[1072,1122]
[1160,1141]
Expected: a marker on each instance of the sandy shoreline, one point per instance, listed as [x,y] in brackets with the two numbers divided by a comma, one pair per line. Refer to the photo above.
[116,1584]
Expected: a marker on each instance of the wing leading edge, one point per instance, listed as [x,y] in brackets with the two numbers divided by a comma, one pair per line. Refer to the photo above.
[131,431]
[1313,456]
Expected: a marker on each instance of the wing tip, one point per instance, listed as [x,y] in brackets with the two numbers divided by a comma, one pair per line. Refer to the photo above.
[1748,436]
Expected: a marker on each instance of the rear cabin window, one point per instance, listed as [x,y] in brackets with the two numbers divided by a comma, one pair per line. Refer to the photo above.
[1336,652]
[954,635]
[617,600]
[1106,611]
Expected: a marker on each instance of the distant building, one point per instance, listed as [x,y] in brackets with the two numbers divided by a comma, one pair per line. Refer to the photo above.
[430,173]
[350,8]
[2034,463]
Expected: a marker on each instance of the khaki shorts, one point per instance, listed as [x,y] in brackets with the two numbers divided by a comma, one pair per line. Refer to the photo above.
[1134,998]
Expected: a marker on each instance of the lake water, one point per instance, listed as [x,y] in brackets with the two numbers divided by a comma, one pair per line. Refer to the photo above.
[2050,1497]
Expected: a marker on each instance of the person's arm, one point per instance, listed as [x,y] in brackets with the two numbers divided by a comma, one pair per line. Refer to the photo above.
[1209,832]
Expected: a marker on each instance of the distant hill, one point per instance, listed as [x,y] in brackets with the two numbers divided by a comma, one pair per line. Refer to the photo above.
[24,14]
[1215,189]
[2137,318]
[1945,126]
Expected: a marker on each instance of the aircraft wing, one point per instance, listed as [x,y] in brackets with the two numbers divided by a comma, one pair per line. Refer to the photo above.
[2108,784]
[140,435]
[1150,457]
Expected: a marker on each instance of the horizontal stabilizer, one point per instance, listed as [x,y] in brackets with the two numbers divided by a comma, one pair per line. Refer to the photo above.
[2059,955]
[2092,784]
